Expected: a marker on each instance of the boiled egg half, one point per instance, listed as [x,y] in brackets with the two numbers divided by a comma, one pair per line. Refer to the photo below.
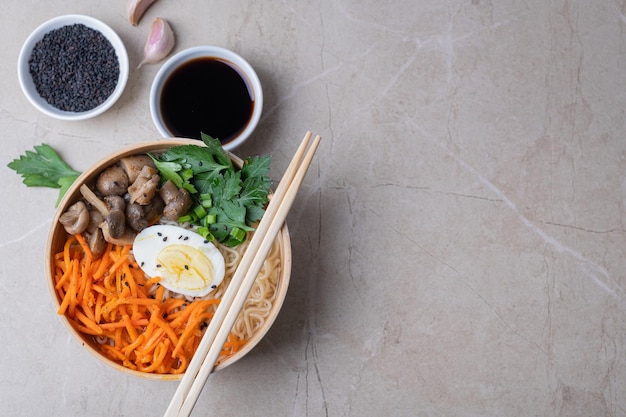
[186,262]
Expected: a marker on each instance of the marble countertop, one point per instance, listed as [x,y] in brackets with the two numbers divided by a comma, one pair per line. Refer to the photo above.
[459,242]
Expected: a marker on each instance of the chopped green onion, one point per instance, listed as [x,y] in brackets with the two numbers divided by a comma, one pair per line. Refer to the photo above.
[205,233]
[206,200]
[186,174]
[199,211]
[238,234]
[187,218]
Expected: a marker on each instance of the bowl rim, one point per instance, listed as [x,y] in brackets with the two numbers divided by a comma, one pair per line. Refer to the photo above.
[88,176]
[26,82]
[207,51]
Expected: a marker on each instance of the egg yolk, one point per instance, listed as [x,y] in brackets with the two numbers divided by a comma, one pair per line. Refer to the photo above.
[185,267]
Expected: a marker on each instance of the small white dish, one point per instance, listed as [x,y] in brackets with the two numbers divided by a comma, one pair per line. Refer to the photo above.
[26,79]
[210,52]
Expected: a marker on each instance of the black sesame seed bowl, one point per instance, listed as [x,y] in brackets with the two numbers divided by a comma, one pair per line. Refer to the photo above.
[73,67]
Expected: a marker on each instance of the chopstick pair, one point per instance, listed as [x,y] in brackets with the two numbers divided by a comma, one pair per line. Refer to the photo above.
[208,351]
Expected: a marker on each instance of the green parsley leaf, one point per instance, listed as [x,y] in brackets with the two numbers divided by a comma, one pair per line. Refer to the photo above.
[256,166]
[237,196]
[169,170]
[44,168]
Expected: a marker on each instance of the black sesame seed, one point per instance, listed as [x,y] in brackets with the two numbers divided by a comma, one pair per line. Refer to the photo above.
[165,239]
[143,263]
[159,234]
[186,238]
[214,286]
[74,68]
[158,265]
[187,267]
[180,237]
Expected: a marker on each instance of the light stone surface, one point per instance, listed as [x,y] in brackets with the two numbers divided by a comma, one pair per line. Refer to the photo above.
[459,242]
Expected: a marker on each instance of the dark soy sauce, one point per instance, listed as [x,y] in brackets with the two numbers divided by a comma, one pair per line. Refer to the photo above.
[207,95]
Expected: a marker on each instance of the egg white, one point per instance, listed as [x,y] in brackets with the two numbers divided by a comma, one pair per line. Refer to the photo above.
[186,263]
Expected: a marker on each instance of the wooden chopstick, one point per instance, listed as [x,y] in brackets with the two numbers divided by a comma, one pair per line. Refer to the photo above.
[231,303]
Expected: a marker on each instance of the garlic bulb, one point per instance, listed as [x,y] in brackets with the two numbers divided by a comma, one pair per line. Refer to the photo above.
[136,9]
[159,44]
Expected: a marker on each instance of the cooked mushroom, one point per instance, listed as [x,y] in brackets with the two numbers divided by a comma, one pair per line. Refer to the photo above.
[178,206]
[115,203]
[75,219]
[96,242]
[126,239]
[168,191]
[135,217]
[154,209]
[112,181]
[116,218]
[116,222]
[110,227]
[95,219]
[133,165]
[145,186]
[93,199]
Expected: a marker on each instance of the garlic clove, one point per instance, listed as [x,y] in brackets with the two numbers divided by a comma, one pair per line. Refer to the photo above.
[136,9]
[159,44]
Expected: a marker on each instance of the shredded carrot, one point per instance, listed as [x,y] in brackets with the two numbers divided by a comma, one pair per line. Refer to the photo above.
[109,299]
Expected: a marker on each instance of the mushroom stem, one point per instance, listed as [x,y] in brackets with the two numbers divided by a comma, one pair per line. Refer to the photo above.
[93,199]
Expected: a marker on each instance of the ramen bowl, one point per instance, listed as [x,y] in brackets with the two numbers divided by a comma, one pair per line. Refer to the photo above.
[92,343]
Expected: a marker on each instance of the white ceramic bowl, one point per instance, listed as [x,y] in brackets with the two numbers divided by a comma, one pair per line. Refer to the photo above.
[183,57]
[26,79]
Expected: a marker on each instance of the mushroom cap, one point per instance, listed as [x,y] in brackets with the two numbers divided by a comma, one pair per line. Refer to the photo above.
[133,165]
[96,242]
[75,219]
[115,202]
[168,191]
[116,222]
[135,217]
[95,219]
[179,206]
[112,181]
[154,209]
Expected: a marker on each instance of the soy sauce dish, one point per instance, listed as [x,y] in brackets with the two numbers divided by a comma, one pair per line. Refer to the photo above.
[73,67]
[207,89]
